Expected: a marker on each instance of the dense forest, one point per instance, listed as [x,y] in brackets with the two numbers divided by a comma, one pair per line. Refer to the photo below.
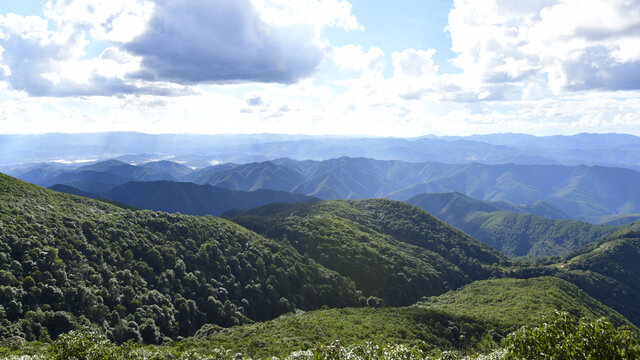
[68,261]
[535,230]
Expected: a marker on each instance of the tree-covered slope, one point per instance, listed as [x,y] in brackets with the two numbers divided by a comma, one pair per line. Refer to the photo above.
[516,302]
[193,199]
[616,258]
[390,249]
[67,261]
[427,328]
[512,233]
[606,270]
[452,206]
[455,320]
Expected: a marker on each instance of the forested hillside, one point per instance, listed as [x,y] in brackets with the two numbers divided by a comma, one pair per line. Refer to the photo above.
[186,198]
[141,275]
[390,249]
[508,229]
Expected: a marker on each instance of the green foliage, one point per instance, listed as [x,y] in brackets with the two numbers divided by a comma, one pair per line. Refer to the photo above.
[89,346]
[431,329]
[529,235]
[67,261]
[561,336]
[514,302]
[511,232]
[390,249]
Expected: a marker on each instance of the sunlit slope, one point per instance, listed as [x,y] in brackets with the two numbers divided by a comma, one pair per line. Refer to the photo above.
[510,230]
[65,260]
[391,250]
[513,302]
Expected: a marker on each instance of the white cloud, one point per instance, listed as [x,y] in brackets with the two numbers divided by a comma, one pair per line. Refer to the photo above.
[412,63]
[353,57]
[200,41]
[576,44]
[164,47]
[109,20]
[317,13]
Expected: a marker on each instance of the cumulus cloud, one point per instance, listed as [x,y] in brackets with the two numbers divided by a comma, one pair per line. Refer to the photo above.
[43,62]
[254,100]
[317,13]
[414,63]
[217,41]
[163,47]
[576,44]
[353,57]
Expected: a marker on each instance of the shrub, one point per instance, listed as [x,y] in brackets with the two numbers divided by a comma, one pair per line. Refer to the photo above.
[561,336]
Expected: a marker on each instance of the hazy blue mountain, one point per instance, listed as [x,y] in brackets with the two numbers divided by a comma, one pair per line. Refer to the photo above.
[73,191]
[162,171]
[186,198]
[456,204]
[86,180]
[265,175]
[509,229]
[101,176]
[593,149]
[170,168]
[619,219]
[37,173]
[544,209]
[581,191]
[555,191]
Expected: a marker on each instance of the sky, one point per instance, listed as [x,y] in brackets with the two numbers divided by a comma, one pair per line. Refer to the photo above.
[358,67]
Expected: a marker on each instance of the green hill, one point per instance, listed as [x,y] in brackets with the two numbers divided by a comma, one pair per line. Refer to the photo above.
[390,249]
[606,270]
[66,261]
[455,320]
[613,268]
[193,199]
[514,302]
[511,232]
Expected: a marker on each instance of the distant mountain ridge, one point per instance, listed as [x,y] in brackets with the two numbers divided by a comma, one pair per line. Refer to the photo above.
[594,149]
[581,192]
[186,198]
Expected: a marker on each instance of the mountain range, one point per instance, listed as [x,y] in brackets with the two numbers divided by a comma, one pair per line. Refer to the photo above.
[199,150]
[185,198]
[590,193]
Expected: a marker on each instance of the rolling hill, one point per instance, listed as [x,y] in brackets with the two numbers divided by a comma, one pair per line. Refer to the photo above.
[67,260]
[185,198]
[508,228]
[390,249]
